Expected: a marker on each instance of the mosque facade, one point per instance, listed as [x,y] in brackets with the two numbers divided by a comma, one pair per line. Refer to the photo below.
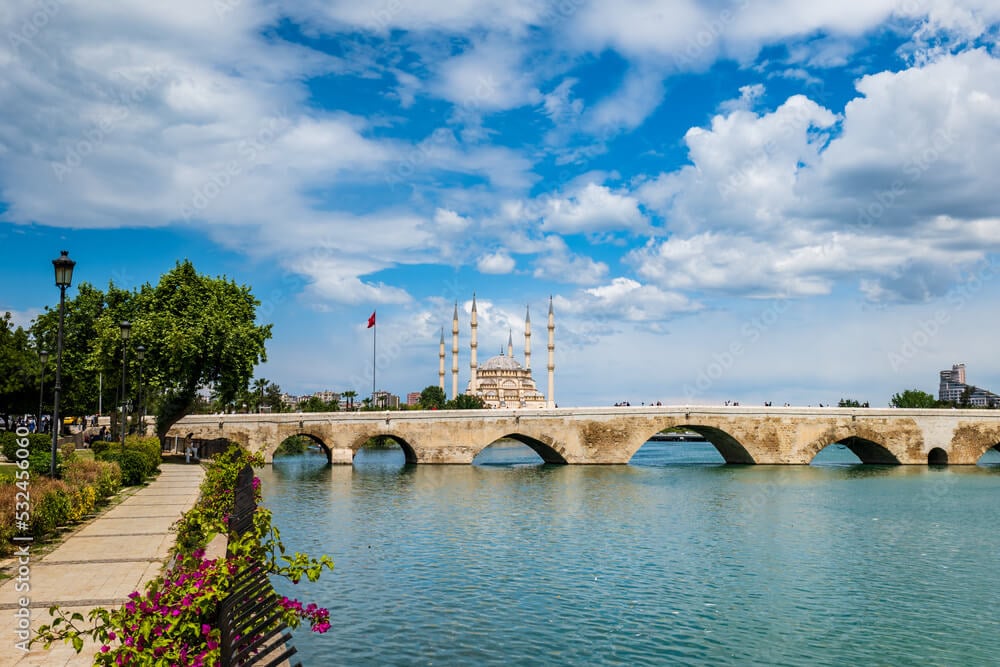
[502,382]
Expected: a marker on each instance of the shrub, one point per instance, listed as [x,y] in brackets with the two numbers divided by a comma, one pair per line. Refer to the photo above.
[104,476]
[134,465]
[150,448]
[109,478]
[51,506]
[100,446]
[39,451]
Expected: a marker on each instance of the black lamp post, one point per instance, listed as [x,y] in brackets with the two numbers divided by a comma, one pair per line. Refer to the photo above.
[126,328]
[140,354]
[64,277]
[43,356]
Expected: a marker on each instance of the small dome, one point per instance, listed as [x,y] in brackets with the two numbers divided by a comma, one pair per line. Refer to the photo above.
[501,363]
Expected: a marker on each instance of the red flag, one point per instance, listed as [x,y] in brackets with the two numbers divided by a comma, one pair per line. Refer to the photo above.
[371,320]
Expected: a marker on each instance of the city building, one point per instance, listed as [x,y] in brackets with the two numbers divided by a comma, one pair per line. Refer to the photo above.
[953,387]
[413,398]
[502,382]
[383,400]
[327,396]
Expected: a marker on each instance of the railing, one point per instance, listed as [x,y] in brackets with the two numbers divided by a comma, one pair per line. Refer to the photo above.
[250,616]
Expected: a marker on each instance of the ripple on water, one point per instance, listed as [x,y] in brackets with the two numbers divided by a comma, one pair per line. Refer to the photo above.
[644,564]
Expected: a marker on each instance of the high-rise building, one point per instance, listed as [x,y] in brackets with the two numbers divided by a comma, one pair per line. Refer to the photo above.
[953,387]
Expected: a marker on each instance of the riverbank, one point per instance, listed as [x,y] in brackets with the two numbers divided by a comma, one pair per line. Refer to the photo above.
[99,563]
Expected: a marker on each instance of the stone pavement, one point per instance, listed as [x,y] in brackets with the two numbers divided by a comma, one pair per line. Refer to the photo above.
[100,563]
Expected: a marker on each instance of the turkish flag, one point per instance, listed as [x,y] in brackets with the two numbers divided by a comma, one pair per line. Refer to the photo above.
[371,320]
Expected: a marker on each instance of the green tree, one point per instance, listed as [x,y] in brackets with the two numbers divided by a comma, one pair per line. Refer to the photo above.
[272,397]
[965,400]
[314,404]
[350,396]
[199,332]
[466,402]
[259,387]
[848,403]
[20,370]
[913,398]
[432,398]
[92,347]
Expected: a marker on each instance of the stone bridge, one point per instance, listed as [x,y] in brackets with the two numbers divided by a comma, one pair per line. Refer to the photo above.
[612,435]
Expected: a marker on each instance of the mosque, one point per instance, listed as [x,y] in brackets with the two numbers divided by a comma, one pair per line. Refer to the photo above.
[501,381]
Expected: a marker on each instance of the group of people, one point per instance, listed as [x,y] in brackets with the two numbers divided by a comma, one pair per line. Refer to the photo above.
[625,404]
[29,422]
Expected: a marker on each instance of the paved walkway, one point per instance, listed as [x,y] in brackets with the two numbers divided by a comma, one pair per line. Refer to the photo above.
[100,563]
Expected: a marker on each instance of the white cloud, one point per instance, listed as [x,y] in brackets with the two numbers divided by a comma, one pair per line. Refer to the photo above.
[561,265]
[900,200]
[624,299]
[749,95]
[629,106]
[488,77]
[592,208]
[449,221]
[498,262]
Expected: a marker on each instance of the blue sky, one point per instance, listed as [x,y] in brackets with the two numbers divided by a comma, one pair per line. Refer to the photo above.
[752,201]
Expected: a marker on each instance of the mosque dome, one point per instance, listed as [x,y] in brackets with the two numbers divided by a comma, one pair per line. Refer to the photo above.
[501,362]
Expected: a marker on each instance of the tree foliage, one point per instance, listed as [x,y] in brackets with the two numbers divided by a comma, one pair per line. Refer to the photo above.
[20,369]
[317,404]
[199,332]
[432,398]
[913,398]
[466,402]
[851,403]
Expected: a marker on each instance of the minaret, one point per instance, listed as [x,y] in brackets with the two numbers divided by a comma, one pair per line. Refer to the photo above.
[527,339]
[510,343]
[454,353]
[552,357]
[441,362]
[473,345]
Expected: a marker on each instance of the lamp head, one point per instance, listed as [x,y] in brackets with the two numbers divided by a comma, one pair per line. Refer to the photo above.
[64,269]
[43,356]
[140,351]
[126,328]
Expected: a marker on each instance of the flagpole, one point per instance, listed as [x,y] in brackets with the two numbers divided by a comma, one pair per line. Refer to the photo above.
[374,337]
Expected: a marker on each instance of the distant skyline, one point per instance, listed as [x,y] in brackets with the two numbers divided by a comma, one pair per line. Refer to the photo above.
[751,201]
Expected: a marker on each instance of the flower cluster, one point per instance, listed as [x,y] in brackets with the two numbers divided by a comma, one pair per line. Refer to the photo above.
[318,617]
[173,621]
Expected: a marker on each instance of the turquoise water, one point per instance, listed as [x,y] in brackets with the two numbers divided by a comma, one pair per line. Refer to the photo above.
[671,560]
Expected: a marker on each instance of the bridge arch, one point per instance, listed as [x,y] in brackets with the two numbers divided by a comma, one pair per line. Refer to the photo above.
[547,453]
[866,449]
[731,449]
[409,453]
[869,451]
[937,456]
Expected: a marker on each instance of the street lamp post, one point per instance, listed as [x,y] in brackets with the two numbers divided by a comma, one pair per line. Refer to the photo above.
[43,356]
[140,354]
[64,277]
[126,328]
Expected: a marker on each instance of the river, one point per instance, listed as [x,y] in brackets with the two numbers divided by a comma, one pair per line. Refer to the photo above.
[673,559]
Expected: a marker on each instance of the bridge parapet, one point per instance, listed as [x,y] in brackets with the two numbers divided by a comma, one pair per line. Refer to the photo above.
[611,435]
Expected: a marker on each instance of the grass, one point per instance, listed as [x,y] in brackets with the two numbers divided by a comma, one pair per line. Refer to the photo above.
[7,472]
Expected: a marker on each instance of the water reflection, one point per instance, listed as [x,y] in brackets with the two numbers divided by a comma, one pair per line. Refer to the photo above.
[651,563]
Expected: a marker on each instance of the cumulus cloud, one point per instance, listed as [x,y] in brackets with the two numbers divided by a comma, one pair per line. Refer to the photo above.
[592,208]
[561,265]
[498,262]
[625,299]
[895,193]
